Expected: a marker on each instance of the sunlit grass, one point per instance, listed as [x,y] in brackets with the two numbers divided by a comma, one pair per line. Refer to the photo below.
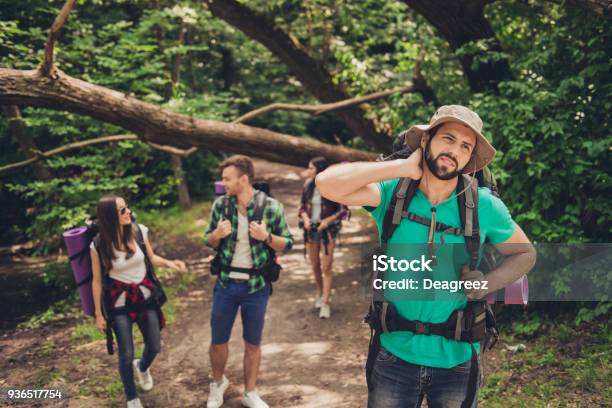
[175,221]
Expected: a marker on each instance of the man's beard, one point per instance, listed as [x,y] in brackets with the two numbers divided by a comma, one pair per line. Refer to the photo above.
[440,172]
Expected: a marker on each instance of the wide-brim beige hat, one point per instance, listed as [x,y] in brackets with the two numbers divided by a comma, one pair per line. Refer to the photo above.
[483,152]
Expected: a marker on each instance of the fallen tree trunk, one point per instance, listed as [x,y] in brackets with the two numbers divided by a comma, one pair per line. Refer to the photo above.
[151,122]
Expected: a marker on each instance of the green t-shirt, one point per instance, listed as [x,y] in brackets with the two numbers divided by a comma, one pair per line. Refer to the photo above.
[496,226]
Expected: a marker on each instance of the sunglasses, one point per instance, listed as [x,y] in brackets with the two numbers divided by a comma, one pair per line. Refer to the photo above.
[123,210]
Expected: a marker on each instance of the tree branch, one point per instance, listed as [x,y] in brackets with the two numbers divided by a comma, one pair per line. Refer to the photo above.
[31,88]
[173,150]
[600,7]
[462,22]
[310,72]
[70,146]
[47,66]
[38,155]
[421,86]
[321,108]
[19,129]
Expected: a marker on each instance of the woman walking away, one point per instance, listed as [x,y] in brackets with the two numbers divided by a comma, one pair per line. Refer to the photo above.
[321,220]
[126,291]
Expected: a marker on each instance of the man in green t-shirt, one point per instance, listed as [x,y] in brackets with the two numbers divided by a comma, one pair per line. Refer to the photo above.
[410,366]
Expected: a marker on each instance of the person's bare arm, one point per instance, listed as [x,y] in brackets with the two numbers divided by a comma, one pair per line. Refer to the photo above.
[354,183]
[96,289]
[157,260]
[521,257]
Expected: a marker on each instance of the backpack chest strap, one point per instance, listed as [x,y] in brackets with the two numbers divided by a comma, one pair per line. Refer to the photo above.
[441,227]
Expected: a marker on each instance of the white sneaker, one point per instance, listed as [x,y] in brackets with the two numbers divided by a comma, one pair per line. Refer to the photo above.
[215,396]
[325,311]
[252,400]
[318,301]
[135,403]
[143,379]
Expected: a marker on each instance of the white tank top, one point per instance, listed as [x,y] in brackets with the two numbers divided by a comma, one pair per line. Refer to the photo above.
[316,206]
[129,270]
[242,253]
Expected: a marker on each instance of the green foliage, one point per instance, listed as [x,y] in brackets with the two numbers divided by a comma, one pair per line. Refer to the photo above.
[586,314]
[528,327]
[549,123]
[66,308]
[562,366]
[86,332]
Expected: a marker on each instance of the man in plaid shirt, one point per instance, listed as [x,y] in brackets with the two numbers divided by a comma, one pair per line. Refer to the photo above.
[243,248]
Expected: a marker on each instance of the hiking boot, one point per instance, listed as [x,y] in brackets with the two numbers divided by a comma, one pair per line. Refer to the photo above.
[318,301]
[252,400]
[143,379]
[325,311]
[135,403]
[215,396]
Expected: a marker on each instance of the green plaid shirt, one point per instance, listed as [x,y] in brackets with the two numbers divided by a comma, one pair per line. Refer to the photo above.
[273,217]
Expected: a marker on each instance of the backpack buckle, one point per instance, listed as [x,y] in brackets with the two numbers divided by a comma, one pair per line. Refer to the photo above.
[421,328]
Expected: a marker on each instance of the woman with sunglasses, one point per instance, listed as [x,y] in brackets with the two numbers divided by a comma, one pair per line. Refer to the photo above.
[320,219]
[118,260]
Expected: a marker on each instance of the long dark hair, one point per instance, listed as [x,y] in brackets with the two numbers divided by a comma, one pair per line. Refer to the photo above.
[320,163]
[108,225]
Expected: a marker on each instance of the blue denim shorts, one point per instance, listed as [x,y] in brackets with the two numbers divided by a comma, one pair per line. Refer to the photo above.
[226,301]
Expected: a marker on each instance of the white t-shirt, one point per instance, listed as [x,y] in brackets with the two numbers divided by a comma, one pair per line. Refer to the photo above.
[316,206]
[129,270]
[242,253]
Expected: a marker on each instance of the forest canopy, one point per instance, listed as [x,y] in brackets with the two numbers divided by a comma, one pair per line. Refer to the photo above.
[170,77]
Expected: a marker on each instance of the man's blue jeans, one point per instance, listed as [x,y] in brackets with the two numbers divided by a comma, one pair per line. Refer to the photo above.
[399,384]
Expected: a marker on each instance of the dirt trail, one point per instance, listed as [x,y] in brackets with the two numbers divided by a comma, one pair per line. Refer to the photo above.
[307,362]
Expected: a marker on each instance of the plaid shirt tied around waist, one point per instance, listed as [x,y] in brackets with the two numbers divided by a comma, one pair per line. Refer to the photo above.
[134,299]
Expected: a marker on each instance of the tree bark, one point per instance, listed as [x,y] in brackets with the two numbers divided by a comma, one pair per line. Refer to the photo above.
[601,7]
[19,130]
[58,23]
[174,65]
[151,122]
[179,175]
[461,22]
[314,77]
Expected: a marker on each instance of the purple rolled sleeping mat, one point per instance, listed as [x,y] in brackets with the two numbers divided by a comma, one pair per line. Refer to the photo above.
[77,243]
[515,294]
[219,189]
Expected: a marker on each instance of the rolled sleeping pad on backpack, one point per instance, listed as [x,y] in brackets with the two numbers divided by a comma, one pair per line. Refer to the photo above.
[515,294]
[219,189]
[77,243]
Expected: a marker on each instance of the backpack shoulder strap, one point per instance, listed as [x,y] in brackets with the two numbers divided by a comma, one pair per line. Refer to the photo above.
[139,237]
[468,211]
[402,196]
[260,206]
[96,241]
[227,207]
[148,263]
